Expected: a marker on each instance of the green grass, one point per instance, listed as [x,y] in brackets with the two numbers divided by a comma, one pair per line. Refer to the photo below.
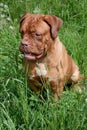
[20,108]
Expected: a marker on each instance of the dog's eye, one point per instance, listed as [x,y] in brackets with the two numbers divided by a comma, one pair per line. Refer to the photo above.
[38,35]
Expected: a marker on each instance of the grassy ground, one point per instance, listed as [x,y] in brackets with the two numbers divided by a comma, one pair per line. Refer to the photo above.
[20,109]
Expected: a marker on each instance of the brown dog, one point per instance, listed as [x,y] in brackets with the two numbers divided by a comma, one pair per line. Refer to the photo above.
[44,55]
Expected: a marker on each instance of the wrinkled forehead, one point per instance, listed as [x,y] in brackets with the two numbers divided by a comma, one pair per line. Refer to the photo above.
[34,24]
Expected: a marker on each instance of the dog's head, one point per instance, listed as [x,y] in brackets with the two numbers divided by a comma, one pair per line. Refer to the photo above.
[38,33]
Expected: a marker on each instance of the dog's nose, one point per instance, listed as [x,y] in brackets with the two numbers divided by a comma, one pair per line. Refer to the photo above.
[24,43]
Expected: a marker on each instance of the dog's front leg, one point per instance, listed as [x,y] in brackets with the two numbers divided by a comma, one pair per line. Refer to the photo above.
[57,88]
[54,88]
[61,88]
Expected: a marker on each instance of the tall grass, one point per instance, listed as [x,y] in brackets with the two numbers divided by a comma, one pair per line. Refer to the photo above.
[20,108]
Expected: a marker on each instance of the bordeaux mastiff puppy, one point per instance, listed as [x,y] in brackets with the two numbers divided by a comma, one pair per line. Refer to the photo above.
[45,57]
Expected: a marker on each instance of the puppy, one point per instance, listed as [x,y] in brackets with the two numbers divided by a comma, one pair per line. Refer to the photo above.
[45,57]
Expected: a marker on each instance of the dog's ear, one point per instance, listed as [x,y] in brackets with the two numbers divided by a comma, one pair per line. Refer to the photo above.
[24,16]
[55,24]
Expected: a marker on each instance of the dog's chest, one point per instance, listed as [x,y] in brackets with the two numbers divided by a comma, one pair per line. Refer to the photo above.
[39,70]
[44,71]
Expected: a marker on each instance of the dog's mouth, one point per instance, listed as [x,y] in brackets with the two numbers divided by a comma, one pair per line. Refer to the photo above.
[33,56]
